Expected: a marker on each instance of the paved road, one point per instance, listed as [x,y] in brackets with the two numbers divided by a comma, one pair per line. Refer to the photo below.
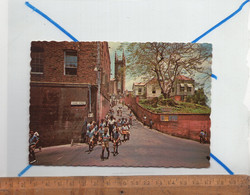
[146,148]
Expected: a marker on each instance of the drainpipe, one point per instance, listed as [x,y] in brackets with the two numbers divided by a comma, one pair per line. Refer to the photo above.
[89,86]
[98,83]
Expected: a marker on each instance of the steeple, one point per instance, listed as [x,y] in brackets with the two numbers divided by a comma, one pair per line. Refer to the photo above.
[123,58]
[116,57]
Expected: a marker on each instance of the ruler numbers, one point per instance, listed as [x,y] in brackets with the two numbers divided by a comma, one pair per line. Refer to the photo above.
[75,185]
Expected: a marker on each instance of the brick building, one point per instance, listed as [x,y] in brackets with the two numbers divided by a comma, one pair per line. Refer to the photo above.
[69,85]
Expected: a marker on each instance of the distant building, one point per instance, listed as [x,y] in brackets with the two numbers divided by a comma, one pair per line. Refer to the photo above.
[112,87]
[139,89]
[183,87]
[120,74]
[152,89]
[65,78]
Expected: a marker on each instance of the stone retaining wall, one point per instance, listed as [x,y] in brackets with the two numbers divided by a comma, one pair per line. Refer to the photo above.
[181,125]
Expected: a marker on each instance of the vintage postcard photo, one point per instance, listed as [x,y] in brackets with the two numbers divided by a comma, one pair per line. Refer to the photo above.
[120,104]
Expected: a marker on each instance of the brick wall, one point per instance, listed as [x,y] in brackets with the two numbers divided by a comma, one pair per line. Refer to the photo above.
[51,92]
[186,126]
[54,62]
[53,116]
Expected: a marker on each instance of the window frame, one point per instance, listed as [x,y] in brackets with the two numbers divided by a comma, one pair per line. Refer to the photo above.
[65,62]
[37,61]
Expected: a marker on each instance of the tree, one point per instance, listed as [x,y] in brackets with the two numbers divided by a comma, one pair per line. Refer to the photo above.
[165,61]
[199,97]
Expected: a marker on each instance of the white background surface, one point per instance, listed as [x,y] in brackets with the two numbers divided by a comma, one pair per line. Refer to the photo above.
[127,20]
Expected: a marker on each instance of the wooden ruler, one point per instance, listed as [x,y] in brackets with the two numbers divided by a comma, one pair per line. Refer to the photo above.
[137,185]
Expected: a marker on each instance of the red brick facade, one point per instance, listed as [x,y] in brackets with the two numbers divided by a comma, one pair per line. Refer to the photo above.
[183,125]
[54,96]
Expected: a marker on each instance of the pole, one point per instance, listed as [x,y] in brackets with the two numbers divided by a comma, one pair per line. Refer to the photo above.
[98,83]
[89,98]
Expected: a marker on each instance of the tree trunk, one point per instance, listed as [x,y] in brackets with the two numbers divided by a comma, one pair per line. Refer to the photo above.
[165,95]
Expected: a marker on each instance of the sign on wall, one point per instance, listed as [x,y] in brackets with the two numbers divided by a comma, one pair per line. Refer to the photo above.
[169,118]
[78,103]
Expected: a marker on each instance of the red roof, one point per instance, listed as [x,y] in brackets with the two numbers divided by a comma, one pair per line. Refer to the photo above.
[182,77]
[139,83]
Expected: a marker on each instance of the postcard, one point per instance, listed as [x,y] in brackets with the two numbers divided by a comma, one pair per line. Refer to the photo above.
[120,104]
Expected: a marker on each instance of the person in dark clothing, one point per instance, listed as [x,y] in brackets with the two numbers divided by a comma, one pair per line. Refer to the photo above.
[116,141]
[111,123]
[33,140]
[202,137]
[151,123]
[144,120]
[105,143]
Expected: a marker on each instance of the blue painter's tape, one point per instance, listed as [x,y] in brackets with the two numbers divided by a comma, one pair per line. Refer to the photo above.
[222,164]
[24,170]
[221,22]
[214,76]
[51,21]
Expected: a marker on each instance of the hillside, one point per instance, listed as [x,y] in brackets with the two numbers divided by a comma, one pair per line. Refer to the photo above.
[174,107]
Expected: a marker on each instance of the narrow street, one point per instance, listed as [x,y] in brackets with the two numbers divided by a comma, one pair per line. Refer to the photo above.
[146,148]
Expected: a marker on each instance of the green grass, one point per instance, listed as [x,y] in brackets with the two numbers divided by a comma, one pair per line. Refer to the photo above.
[171,106]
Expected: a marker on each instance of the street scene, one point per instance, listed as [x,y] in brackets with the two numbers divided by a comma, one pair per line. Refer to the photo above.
[120,104]
[145,148]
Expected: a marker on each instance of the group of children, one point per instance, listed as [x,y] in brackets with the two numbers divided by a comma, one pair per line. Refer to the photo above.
[108,130]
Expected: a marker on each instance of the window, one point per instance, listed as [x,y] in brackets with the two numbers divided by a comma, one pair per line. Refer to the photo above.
[36,60]
[139,91]
[182,87]
[153,90]
[189,87]
[70,62]
[172,89]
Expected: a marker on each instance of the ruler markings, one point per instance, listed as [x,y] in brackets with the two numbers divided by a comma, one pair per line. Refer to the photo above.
[117,182]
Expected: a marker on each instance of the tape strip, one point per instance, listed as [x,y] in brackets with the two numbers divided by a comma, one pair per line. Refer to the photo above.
[24,170]
[221,164]
[194,41]
[51,21]
[214,76]
[221,22]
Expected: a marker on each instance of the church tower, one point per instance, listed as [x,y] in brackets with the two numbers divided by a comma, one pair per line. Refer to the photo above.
[120,73]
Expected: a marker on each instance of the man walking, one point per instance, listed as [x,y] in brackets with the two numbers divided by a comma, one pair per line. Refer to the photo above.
[116,140]
[144,120]
[202,137]
[33,140]
[105,143]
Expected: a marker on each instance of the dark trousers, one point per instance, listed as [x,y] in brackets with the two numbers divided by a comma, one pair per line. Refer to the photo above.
[111,131]
[32,155]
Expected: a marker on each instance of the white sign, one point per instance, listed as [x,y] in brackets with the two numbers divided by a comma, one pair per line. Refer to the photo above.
[78,103]
[90,115]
